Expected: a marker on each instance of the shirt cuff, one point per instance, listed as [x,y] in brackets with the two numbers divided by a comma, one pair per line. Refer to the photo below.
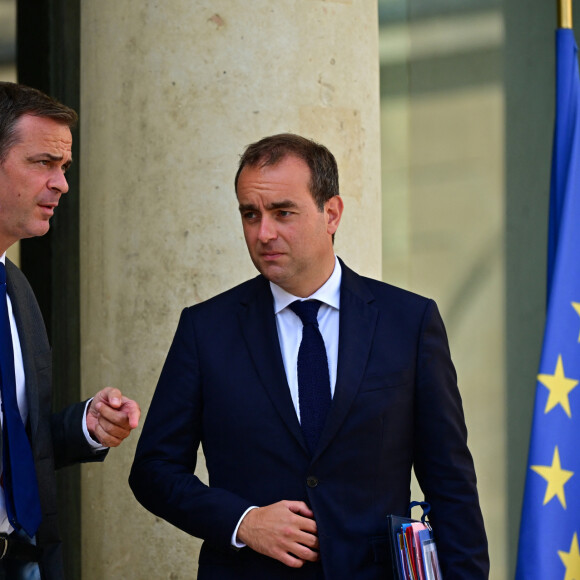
[95,445]
[235,543]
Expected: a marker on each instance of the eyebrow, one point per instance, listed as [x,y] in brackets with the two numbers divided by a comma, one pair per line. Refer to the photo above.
[274,205]
[51,157]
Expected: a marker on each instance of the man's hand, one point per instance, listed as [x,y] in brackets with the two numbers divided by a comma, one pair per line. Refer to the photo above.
[111,417]
[284,531]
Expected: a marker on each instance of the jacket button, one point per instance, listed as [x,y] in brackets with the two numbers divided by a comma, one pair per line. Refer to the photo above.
[312,481]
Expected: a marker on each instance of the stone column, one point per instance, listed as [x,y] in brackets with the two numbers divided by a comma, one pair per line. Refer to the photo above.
[171,92]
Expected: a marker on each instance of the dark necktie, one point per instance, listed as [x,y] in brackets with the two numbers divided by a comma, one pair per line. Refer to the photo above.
[313,377]
[19,475]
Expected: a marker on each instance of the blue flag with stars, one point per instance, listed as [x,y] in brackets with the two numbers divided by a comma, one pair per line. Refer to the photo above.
[550,526]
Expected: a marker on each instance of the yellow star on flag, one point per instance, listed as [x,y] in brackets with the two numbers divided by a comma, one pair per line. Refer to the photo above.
[559,386]
[576,306]
[556,478]
[571,560]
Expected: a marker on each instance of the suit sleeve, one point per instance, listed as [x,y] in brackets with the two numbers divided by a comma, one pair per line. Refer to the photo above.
[162,476]
[69,441]
[443,463]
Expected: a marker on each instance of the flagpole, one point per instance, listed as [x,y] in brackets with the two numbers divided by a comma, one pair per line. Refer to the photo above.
[564,13]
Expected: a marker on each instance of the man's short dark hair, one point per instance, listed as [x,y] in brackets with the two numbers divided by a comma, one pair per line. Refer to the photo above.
[18,100]
[271,150]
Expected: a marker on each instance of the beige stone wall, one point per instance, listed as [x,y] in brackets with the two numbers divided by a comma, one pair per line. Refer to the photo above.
[171,92]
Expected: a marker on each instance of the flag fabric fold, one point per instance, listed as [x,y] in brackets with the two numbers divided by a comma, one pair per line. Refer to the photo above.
[550,525]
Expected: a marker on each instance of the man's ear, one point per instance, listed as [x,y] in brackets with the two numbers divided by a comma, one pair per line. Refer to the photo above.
[333,209]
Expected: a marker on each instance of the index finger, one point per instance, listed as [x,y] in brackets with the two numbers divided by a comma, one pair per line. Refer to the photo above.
[300,508]
[133,411]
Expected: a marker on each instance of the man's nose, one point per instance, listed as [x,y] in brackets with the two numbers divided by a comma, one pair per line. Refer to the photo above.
[267,230]
[57,182]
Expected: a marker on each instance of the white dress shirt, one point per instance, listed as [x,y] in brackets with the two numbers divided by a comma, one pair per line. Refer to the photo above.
[289,328]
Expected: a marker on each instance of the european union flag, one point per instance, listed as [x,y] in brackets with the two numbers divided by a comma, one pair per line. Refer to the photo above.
[550,527]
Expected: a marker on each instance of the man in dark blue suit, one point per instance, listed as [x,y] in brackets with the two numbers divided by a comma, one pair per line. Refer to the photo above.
[300,488]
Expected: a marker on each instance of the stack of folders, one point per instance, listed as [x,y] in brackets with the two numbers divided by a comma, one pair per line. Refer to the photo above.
[413,550]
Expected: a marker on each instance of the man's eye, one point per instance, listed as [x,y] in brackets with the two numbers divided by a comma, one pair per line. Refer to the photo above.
[249,215]
[284,213]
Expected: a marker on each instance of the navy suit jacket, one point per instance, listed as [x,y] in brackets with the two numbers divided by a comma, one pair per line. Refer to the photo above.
[396,405]
[57,439]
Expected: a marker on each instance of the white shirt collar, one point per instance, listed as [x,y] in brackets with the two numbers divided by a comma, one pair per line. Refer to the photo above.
[328,293]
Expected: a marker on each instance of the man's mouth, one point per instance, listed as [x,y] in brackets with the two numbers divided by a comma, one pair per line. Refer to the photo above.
[48,208]
[268,256]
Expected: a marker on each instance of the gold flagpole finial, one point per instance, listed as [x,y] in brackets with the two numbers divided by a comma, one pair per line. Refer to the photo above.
[564,13]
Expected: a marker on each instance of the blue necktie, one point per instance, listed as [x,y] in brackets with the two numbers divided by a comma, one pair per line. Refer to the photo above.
[313,377]
[19,475]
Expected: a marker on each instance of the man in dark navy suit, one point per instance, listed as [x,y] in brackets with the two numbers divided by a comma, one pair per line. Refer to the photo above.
[300,484]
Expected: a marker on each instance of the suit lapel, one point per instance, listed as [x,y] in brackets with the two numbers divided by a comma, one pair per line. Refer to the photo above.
[358,318]
[258,324]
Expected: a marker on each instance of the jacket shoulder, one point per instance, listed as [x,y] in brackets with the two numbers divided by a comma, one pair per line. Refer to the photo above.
[25,307]
[234,297]
[19,288]
[15,274]
[378,292]
[384,291]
